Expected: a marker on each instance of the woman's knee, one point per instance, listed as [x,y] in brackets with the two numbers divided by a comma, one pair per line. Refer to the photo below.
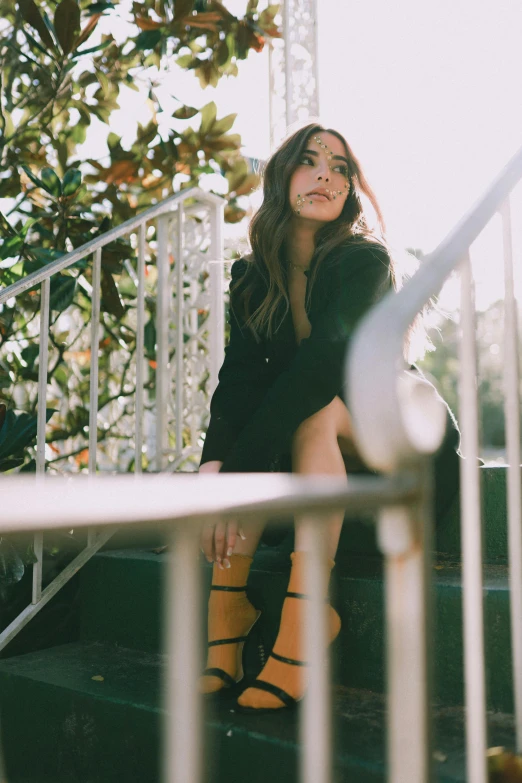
[316,427]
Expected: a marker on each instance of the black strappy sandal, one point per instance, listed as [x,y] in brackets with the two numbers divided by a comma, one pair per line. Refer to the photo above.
[261,685]
[214,671]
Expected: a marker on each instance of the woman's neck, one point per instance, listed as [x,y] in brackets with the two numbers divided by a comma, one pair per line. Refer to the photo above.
[301,244]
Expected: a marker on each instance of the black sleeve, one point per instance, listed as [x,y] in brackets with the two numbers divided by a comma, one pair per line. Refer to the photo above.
[316,375]
[243,380]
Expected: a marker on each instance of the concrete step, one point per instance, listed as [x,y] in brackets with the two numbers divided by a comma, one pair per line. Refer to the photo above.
[122,600]
[107,730]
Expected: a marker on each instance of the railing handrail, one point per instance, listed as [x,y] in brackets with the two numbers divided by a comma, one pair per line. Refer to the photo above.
[109,236]
[386,424]
[32,504]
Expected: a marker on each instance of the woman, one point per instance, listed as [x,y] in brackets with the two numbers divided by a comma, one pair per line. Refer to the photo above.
[314,271]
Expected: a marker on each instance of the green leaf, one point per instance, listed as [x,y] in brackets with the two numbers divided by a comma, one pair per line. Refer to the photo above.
[63,289]
[185,113]
[29,354]
[223,125]
[32,177]
[31,14]
[11,247]
[110,301]
[51,181]
[12,568]
[182,8]
[149,339]
[208,118]
[148,39]
[67,23]
[99,8]
[71,181]
[187,61]
[18,432]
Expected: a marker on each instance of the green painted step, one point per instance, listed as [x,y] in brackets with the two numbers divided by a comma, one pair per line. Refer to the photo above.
[121,604]
[60,725]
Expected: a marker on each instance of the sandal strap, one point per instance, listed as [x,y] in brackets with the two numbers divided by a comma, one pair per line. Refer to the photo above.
[235,640]
[292,661]
[223,675]
[303,595]
[228,589]
[285,697]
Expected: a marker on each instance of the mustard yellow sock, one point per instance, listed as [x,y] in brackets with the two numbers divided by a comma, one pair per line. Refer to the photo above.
[230,615]
[289,677]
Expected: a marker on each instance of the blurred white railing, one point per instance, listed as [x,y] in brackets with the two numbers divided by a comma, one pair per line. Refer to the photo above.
[183,503]
[393,428]
[188,231]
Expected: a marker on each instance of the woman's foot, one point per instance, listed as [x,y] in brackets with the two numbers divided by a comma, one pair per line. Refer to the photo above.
[230,618]
[287,676]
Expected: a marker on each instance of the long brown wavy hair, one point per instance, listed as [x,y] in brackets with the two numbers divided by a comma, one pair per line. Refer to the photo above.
[268,233]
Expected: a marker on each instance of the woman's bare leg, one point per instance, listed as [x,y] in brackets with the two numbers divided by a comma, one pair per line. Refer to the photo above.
[318,447]
[316,451]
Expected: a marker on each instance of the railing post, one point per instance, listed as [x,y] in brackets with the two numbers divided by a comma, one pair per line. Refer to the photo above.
[162,338]
[140,350]
[405,539]
[182,727]
[43,359]
[180,337]
[315,718]
[217,307]
[93,397]
[514,501]
[471,527]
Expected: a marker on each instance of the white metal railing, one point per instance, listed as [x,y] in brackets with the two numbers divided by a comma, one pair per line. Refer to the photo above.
[189,224]
[183,504]
[392,430]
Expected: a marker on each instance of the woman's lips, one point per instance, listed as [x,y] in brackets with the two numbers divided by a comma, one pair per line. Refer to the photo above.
[318,196]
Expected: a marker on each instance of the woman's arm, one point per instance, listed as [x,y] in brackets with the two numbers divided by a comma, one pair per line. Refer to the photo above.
[243,381]
[316,375]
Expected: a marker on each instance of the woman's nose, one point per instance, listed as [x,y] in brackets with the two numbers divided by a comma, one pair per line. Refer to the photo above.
[323,174]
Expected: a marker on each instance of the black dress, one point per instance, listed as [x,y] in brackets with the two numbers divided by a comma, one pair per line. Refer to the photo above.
[267,389]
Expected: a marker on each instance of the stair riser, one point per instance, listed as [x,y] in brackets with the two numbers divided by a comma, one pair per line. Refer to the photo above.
[124,607]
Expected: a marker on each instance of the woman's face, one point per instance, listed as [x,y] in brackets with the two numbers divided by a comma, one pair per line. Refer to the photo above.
[319,185]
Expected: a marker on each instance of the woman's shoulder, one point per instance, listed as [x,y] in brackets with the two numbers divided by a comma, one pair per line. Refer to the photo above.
[354,257]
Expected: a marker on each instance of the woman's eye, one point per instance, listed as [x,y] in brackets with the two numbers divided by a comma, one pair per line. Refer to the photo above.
[306,159]
[342,169]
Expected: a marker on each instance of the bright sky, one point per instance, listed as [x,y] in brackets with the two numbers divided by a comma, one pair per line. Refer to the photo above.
[427,94]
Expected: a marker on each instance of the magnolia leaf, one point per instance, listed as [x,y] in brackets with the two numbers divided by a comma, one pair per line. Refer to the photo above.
[223,125]
[234,214]
[99,8]
[208,118]
[67,23]
[18,432]
[71,181]
[32,16]
[32,177]
[87,30]
[110,299]
[185,113]
[63,288]
[11,565]
[182,8]
[51,181]
[249,184]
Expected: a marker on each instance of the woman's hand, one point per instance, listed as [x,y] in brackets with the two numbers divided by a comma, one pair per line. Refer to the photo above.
[218,541]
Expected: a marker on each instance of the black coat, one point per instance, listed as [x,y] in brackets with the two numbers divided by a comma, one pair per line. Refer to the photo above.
[267,389]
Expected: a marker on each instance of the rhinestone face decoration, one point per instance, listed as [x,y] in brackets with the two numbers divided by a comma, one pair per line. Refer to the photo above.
[334,193]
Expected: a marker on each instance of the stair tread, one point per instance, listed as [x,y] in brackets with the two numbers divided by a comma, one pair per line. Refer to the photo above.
[132,678]
[495,575]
